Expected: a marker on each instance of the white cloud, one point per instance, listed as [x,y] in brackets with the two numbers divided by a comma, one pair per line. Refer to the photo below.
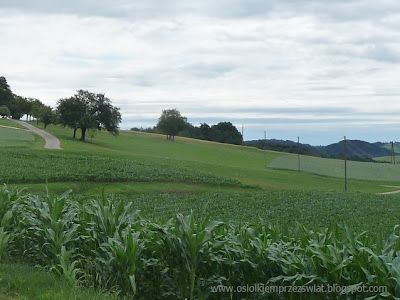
[212,59]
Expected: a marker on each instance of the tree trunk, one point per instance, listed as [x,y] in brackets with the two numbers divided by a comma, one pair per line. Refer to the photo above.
[75,129]
[83,134]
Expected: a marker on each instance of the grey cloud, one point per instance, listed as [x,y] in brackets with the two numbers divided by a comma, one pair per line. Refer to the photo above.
[207,70]
[190,108]
[335,9]
[279,110]
[194,55]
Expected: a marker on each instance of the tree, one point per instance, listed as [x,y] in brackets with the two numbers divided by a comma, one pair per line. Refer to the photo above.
[69,111]
[47,116]
[171,122]
[108,116]
[225,132]
[26,107]
[36,109]
[205,131]
[18,107]
[86,110]
[6,96]
[4,111]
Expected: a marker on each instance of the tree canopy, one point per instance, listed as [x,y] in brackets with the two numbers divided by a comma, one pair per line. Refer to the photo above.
[171,122]
[4,111]
[225,132]
[18,106]
[47,115]
[86,110]
[6,96]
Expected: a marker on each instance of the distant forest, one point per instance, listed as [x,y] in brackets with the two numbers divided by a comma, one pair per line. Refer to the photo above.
[223,132]
[356,149]
[172,123]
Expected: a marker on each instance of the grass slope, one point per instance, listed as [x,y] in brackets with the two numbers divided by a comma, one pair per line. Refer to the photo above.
[26,165]
[162,178]
[10,123]
[14,135]
[335,168]
[246,164]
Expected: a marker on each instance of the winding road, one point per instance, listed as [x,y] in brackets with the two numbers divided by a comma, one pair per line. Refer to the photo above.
[51,141]
[392,192]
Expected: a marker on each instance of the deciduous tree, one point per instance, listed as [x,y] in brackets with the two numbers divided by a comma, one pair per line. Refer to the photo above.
[86,110]
[4,111]
[6,96]
[171,122]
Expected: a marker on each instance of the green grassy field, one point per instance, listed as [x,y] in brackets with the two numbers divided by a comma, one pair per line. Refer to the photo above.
[56,166]
[230,183]
[335,168]
[10,137]
[13,135]
[9,123]
[20,281]
[246,164]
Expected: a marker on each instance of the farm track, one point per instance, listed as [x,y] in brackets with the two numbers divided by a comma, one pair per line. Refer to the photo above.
[51,142]
[391,192]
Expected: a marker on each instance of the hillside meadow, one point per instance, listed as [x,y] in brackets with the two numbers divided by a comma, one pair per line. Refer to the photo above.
[146,193]
[373,171]
[13,135]
[248,165]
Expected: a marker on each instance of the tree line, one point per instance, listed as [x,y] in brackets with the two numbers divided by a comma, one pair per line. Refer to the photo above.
[14,106]
[84,110]
[172,123]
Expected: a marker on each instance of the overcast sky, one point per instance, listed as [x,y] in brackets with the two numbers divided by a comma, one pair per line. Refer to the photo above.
[318,69]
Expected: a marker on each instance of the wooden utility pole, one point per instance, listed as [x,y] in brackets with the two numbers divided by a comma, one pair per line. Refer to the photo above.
[393,154]
[242,135]
[298,154]
[345,163]
[265,146]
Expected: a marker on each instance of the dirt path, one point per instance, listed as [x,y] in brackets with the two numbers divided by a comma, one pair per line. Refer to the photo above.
[51,141]
[392,192]
[16,128]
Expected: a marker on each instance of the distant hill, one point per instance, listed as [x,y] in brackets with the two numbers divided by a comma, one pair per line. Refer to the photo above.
[356,149]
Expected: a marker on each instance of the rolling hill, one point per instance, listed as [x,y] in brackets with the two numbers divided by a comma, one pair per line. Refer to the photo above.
[154,181]
[356,149]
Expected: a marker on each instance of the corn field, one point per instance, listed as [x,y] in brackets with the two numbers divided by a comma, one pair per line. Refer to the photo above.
[105,243]
[36,166]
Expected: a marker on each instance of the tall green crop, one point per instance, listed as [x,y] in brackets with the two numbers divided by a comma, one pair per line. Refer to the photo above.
[105,243]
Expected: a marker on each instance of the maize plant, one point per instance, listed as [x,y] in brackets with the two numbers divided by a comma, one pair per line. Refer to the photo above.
[104,242]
